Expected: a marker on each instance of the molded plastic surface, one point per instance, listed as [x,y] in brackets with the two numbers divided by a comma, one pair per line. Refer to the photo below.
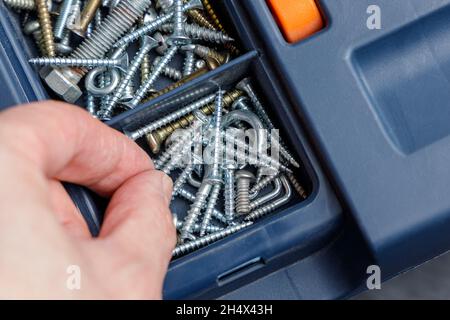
[376,104]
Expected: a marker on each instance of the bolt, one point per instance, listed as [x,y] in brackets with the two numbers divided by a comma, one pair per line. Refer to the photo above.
[86,16]
[156,138]
[97,45]
[178,37]
[259,213]
[154,25]
[142,91]
[243,180]
[149,44]
[120,63]
[172,117]
[46,27]
[202,242]
[245,85]
[191,197]
[61,22]
[194,31]
[21,4]
[214,196]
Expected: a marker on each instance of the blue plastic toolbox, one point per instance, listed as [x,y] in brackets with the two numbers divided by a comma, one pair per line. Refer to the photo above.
[366,111]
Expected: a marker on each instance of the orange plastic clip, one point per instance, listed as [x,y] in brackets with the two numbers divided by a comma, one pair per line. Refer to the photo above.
[298,19]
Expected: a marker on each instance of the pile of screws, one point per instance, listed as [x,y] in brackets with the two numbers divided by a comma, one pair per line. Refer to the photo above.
[92,39]
[207,152]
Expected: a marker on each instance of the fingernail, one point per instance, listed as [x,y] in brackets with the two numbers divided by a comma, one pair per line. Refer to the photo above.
[167,187]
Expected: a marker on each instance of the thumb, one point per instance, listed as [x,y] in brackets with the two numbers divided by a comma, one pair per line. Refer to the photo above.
[138,234]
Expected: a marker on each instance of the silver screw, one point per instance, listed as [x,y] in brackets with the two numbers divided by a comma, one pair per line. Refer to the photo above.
[230,191]
[120,63]
[194,31]
[61,22]
[189,63]
[191,198]
[218,141]
[21,4]
[178,37]
[260,185]
[259,213]
[164,5]
[63,46]
[243,180]
[181,180]
[168,71]
[142,91]
[149,44]
[202,242]
[209,229]
[154,25]
[212,201]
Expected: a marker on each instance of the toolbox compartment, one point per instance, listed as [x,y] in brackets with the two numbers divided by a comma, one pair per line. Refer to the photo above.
[364,110]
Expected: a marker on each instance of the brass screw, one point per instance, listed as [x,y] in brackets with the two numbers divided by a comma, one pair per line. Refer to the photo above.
[86,16]
[46,27]
[155,139]
[199,18]
[209,53]
[216,22]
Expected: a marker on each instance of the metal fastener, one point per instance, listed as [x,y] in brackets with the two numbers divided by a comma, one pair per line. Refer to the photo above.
[243,180]
[60,24]
[121,63]
[46,27]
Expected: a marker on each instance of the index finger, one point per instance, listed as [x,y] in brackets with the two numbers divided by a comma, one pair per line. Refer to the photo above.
[67,144]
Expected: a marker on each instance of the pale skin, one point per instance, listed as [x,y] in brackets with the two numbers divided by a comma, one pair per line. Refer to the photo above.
[41,231]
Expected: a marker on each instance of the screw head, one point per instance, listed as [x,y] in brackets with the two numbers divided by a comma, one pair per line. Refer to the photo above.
[244,84]
[245,174]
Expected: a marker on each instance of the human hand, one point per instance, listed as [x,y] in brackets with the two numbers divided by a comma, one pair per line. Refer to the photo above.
[41,231]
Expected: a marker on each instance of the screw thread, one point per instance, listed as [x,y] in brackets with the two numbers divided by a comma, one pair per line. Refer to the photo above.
[162,134]
[229,194]
[212,15]
[191,197]
[243,196]
[172,117]
[263,182]
[145,68]
[199,18]
[213,198]
[164,5]
[178,18]
[122,17]
[140,94]
[177,158]
[181,180]
[189,63]
[75,62]
[90,104]
[197,32]
[297,186]
[202,242]
[205,53]
[218,139]
[21,4]
[46,27]
[209,229]
[195,210]
[64,13]
[128,76]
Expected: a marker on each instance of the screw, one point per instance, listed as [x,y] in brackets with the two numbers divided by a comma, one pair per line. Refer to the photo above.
[243,180]
[154,25]
[197,32]
[33,28]
[90,104]
[209,229]
[172,117]
[202,242]
[150,16]
[142,91]
[214,196]
[199,18]
[181,180]
[245,85]
[120,63]
[164,5]
[156,138]
[189,63]
[63,47]
[169,71]
[149,44]
[21,4]
[178,36]
[46,27]
[217,145]
[61,22]
[205,53]
[86,16]
[230,191]
[259,213]
[297,186]
[212,15]
[191,197]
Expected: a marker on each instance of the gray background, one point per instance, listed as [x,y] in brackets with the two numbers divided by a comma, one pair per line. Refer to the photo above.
[429,281]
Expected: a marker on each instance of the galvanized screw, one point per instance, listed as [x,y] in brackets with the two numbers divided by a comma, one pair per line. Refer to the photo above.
[194,31]
[243,180]
[61,22]
[121,63]
[212,201]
